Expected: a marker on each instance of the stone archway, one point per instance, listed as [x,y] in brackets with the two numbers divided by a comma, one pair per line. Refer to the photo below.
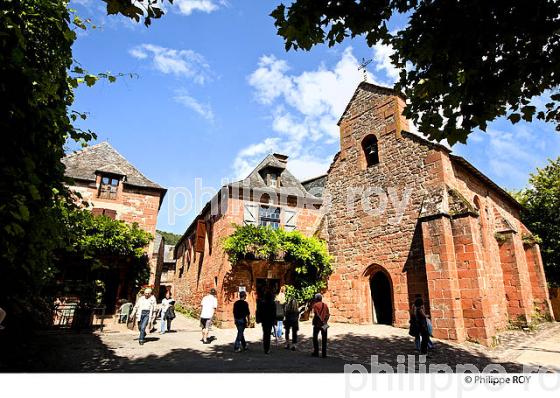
[381,291]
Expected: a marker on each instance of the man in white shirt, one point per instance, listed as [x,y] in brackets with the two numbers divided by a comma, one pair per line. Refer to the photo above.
[209,305]
[144,311]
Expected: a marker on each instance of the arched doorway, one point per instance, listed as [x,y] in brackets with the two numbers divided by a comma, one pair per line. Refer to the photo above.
[381,298]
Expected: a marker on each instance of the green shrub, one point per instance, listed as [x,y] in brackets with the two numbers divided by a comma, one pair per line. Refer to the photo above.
[312,263]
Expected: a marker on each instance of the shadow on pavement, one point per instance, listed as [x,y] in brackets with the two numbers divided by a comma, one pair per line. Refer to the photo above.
[86,352]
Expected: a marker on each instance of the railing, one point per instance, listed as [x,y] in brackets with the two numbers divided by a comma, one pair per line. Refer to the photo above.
[74,316]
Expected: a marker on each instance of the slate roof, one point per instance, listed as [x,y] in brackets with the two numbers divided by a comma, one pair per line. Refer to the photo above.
[103,158]
[168,254]
[317,184]
[290,185]
[157,243]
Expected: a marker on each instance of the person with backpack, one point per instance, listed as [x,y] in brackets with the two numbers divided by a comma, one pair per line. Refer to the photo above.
[321,317]
[241,316]
[279,302]
[167,313]
[266,315]
[291,322]
[422,325]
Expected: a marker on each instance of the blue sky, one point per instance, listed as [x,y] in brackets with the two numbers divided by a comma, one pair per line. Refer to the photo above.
[215,92]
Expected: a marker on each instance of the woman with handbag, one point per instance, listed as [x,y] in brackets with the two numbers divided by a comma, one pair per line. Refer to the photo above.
[321,317]
[167,311]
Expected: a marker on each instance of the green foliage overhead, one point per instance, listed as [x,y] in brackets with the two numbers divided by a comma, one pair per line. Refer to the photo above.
[35,55]
[541,214]
[468,61]
[137,10]
[169,237]
[309,255]
[37,77]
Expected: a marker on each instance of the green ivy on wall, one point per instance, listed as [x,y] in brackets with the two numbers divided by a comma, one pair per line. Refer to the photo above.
[312,263]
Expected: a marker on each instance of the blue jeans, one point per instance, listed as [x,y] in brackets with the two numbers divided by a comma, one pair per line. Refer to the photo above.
[144,318]
[165,324]
[279,328]
[417,341]
[241,324]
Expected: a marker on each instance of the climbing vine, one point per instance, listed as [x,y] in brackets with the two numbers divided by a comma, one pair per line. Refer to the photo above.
[312,262]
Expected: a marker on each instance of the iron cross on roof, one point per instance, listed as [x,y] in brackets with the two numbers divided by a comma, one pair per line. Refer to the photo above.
[363,67]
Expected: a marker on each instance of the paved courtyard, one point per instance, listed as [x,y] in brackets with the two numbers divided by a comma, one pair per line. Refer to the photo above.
[117,349]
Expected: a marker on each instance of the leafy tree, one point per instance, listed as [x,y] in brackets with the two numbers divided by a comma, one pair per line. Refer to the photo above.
[541,215]
[37,79]
[309,256]
[462,63]
[95,246]
[169,237]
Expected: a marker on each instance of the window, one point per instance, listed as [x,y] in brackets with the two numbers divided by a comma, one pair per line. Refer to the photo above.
[371,152]
[108,187]
[273,180]
[269,216]
[289,220]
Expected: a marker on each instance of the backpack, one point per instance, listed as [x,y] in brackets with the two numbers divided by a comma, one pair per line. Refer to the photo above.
[170,313]
[279,310]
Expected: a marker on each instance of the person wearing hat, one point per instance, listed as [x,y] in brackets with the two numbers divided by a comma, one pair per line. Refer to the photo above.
[144,310]
[209,304]
[320,318]
[241,315]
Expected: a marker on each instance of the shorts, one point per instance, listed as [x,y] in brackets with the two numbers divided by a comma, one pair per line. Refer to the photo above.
[205,323]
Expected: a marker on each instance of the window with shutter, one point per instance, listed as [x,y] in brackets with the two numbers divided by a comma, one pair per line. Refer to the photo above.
[289,220]
[112,214]
[269,216]
[98,211]
[200,236]
[250,214]
[108,187]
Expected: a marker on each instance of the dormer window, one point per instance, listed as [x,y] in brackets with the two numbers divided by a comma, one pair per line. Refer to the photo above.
[271,176]
[371,151]
[273,179]
[108,187]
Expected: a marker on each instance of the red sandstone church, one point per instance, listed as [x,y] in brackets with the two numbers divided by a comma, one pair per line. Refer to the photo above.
[434,227]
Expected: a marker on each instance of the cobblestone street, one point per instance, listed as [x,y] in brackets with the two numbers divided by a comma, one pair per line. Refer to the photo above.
[117,349]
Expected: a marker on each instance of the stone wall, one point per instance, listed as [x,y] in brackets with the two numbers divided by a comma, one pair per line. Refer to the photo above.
[363,241]
[442,246]
[197,273]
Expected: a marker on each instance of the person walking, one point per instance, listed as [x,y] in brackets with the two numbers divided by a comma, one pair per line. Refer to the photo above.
[414,329]
[2,317]
[167,313]
[422,325]
[209,304]
[241,316]
[321,316]
[291,322]
[279,302]
[144,310]
[266,316]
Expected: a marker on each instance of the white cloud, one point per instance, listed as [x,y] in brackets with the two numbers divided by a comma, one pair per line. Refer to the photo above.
[204,110]
[182,63]
[187,7]
[382,60]
[304,111]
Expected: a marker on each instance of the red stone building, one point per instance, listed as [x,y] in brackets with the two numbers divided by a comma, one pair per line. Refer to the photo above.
[403,218]
[409,219]
[115,188]
[271,196]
